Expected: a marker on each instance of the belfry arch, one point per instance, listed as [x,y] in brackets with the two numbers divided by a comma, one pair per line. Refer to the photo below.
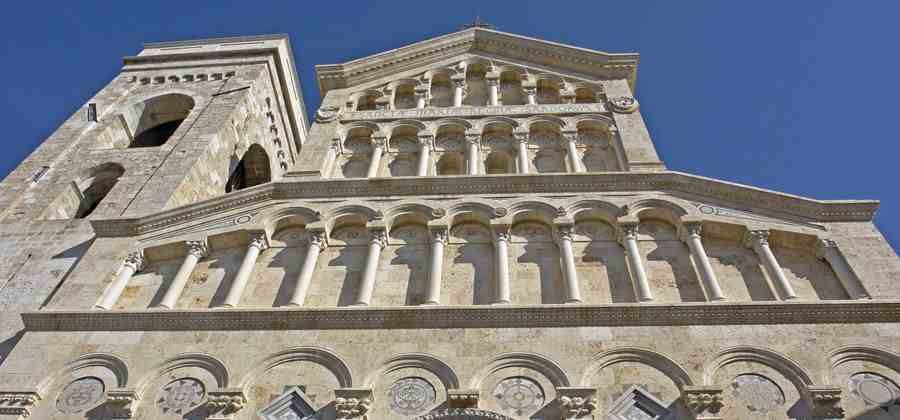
[253,169]
[153,121]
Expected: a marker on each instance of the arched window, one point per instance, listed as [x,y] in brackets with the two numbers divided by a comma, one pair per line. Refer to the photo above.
[253,169]
[85,194]
[153,121]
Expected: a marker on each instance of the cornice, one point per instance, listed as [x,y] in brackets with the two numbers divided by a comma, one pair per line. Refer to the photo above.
[289,188]
[597,64]
[504,316]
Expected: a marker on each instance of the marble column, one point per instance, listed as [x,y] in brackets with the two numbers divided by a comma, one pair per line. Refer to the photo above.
[493,84]
[758,240]
[530,93]
[701,261]
[474,158]
[421,92]
[571,137]
[195,251]
[439,237]
[501,250]
[628,238]
[133,263]
[459,89]
[827,249]
[257,244]
[316,245]
[378,144]
[522,154]
[425,145]
[377,242]
[573,291]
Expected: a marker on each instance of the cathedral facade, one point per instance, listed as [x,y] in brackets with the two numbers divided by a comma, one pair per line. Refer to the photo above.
[475,226]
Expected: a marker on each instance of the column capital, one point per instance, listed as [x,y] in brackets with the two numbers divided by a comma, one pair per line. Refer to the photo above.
[756,237]
[521,136]
[122,402]
[421,89]
[565,231]
[440,234]
[383,103]
[318,239]
[426,140]
[378,236]
[258,240]
[704,402]
[823,246]
[225,402]
[529,90]
[379,141]
[501,232]
[353,403]
[570,135]
[473,138]
[577,402]
[459,80]
[135,260]
[690,230]
[198,249]
[628,229]
[824,401]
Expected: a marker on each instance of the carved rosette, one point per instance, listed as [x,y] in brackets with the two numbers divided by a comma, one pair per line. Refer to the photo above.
[623,104]
[352,403]
[824,401]
[223,404]
[704,402]
[18,403]
[121,403]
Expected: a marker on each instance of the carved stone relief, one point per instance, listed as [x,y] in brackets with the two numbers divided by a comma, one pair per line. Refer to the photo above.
[80,395]
[874,389]
[411,396]
[180,396]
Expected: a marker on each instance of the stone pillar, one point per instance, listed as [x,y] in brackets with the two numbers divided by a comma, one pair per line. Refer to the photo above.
[691,237]
[459,89]
[530,89]
[474,157]
[628,238]
[317,243]
[501,250]
[522,154]
[493,83]
[133,263]
[421,92]
[573,292]
[758,240]
[570,137]
[377,242]
[827,249]
[375,160]
[195,251]
[439,237]
[425,144]
[258,243]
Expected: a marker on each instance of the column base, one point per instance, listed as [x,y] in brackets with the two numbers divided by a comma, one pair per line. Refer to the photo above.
[501,302]
[224,306]
[573,301]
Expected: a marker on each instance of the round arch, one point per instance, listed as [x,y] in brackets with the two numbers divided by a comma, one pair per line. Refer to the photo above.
[787,367]
[416,360]
[658,361]
[321,356]
[550,369]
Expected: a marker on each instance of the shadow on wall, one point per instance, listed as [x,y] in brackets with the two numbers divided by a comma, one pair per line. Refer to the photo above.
[7,345]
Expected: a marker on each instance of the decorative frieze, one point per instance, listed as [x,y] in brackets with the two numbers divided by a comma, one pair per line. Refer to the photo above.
[576,402]
[462,398]
[580,315]
[224,403]
[472,111]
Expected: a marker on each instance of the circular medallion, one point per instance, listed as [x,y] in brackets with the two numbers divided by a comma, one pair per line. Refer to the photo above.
[623,104]
[519,394]
[758,393]
[874,389]
[180,396]
[411,396]
[80,395]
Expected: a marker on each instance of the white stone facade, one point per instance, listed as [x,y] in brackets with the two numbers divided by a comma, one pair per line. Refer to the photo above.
[476,226]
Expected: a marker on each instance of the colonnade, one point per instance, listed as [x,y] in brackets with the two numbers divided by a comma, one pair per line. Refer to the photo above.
[757,240]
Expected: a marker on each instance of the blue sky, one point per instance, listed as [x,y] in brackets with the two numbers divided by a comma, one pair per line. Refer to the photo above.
[794,96]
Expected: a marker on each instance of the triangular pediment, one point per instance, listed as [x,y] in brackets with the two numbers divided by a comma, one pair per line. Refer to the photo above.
[576,62]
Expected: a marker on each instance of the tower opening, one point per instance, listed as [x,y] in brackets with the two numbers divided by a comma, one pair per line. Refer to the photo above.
[153,121]
[253,169]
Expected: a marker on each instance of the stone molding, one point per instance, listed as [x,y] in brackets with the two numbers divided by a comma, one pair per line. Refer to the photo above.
[224,403]
[663,181]
[122,402]
[18,403]
[824,401]
[505,316]
[462,414]
[463,398]
[473,111]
